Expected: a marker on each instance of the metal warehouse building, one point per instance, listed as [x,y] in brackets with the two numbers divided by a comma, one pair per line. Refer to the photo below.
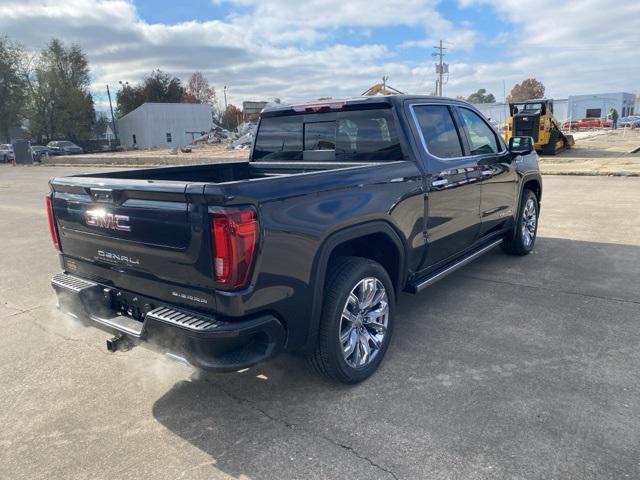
[164,124]
[600,104]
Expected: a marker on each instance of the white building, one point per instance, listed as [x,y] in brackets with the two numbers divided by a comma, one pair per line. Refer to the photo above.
[600,104]
[164,124]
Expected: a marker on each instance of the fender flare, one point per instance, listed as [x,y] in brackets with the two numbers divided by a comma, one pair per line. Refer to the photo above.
[321,262]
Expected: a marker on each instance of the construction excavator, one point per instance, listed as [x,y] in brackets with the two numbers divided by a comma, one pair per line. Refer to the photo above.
[382,89]
[534,118]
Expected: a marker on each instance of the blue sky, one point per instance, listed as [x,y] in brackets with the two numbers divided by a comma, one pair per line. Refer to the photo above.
[295,50]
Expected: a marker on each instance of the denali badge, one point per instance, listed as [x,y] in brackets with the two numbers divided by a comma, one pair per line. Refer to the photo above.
[116,257]
[101,219]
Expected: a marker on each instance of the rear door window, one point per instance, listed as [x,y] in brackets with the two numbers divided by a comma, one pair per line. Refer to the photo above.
[439,133]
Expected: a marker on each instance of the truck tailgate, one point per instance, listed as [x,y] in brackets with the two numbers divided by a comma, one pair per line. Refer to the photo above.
[132,231]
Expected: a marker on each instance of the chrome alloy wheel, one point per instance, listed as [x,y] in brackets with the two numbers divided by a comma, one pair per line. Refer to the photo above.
[529,221]
[363,324]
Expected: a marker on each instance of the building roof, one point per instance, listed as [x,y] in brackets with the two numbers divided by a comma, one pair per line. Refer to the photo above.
[166,105]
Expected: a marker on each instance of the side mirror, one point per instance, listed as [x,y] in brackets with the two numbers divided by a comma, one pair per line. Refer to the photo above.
[521,145]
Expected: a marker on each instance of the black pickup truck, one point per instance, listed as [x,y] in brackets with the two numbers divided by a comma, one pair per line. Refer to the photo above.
[305,247]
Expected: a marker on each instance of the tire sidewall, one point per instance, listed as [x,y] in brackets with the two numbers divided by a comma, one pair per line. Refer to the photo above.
[334,315]
[527,194]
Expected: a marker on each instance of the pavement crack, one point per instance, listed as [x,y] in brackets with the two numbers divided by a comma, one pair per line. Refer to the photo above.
[554,290]
[293,426]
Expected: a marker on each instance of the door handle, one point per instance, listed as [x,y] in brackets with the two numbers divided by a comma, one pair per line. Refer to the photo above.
[487,173]
[441,182]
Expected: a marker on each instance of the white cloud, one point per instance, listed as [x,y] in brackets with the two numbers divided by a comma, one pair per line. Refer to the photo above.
[295,50]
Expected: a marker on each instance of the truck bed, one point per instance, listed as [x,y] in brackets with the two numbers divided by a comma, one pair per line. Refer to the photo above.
[221,172]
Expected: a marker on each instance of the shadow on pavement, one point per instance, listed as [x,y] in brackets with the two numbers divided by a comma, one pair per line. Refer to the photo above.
[509,366]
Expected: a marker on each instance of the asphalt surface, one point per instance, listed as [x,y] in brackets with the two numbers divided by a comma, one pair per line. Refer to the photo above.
[511,368]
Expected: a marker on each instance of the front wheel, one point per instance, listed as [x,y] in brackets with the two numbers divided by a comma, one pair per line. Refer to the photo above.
[523,238]
[357,320]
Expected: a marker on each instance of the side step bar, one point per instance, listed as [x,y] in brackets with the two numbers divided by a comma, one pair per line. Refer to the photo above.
[432,278]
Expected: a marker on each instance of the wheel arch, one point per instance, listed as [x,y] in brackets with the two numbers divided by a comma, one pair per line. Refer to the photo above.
[346,242]
[532,182]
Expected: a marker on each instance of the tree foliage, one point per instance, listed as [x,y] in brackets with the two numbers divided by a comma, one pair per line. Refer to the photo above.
[12,86]
[60,104]
[481,96]
[529,89]
[199,90]
[232,117]
[158,87]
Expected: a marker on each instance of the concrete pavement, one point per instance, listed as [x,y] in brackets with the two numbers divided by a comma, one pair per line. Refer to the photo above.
[514,368]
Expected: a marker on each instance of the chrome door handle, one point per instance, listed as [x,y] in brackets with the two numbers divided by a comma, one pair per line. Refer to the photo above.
[440,182]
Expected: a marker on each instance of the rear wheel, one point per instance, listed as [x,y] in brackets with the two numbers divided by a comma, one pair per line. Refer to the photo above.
[357,320]
[551,147]
[523,238]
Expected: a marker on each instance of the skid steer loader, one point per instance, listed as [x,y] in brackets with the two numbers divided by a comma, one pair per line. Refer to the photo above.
[534,118]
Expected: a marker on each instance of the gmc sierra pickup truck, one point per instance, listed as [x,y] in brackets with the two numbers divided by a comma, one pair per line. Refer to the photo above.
[305,247]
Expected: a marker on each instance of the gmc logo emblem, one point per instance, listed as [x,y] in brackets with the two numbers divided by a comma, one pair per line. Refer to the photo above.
[101,219]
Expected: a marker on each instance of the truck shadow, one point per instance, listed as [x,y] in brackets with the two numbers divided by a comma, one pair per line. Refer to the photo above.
[472,335]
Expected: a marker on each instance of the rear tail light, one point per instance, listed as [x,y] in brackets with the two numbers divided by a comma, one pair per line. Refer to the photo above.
[234,235]
[52,224]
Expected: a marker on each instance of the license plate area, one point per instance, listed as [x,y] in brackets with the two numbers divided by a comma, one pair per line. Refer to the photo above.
[127,304]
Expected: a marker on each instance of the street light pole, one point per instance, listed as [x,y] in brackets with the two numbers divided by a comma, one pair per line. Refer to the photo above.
[113,120]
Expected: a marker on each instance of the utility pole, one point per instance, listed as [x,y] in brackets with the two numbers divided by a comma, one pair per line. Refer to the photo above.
[225,97]
[441,67]
[113,120]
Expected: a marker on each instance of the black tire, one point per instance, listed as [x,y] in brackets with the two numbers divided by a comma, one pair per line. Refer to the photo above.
[343,275]
[516,243]
[550,148]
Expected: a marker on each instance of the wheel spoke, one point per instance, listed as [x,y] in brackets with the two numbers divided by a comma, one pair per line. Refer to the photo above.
[349,341]
[366,350]
[379,328]
[382,310]
[369,291]
[372,338]
[349,316]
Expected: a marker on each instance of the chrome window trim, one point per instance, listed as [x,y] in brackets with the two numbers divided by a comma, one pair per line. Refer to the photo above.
[424,143]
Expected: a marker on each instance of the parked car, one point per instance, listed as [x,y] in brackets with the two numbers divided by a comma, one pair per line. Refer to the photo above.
[38,151]
[303,248]
[63,147]
[632,121]
[587,123]
[6,152]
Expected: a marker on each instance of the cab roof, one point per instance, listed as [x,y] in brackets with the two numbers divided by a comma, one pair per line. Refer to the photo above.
[336,104]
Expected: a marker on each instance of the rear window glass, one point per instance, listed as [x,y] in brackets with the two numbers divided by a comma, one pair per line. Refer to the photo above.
[363,135]
[279,138]
[320,136]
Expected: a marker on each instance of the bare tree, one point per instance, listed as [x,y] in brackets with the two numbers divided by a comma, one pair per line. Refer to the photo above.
[199,90]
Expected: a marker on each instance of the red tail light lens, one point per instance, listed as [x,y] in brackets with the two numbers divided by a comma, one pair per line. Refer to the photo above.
[52,224]
[234,235]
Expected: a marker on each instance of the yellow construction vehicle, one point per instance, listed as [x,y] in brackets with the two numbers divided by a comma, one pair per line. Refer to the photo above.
[534,118]
[382,89]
